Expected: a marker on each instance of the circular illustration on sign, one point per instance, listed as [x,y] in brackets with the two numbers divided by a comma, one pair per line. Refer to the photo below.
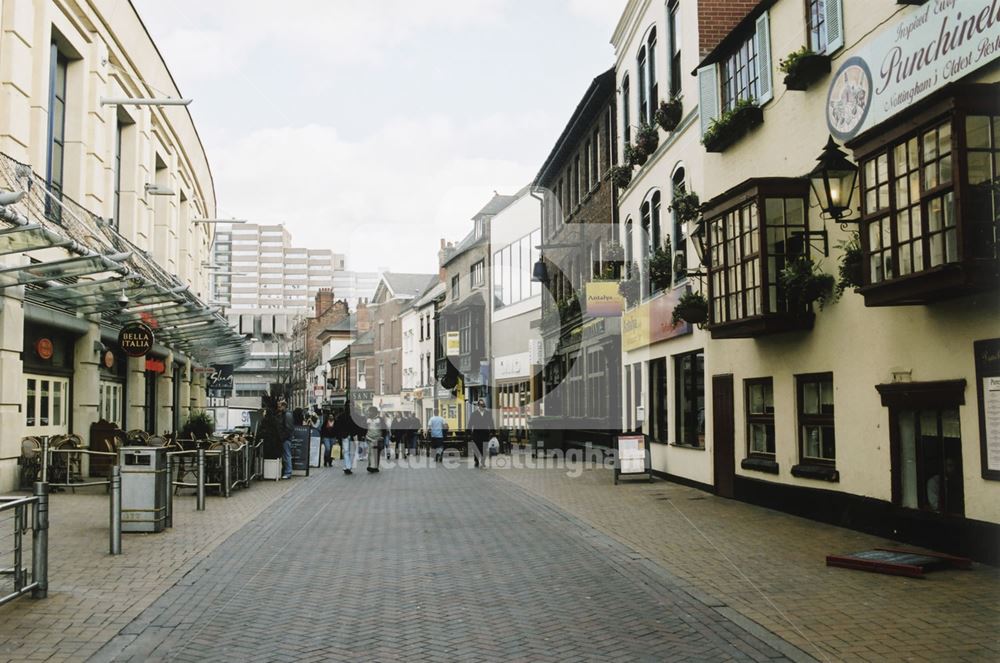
[849,99]
[44,348]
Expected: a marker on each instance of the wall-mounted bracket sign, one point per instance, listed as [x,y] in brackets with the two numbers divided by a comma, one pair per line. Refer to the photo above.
[136,339]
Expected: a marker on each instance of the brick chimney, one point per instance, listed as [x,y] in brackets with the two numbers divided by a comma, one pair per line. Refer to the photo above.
[717,18]
[324,300]
[362,317]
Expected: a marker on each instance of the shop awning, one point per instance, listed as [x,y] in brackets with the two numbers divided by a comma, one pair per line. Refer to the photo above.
[99,272]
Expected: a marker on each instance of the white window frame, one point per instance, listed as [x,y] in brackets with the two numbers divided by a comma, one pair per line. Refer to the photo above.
[37,428]
[109,407]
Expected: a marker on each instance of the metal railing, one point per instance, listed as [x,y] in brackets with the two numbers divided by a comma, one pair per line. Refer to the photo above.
[22,510]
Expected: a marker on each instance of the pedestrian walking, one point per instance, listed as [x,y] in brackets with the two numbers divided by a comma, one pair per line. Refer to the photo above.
[349,431]
[375,436]
[412,424]
[286,429]
[481,429]
[328,436]
[436,426]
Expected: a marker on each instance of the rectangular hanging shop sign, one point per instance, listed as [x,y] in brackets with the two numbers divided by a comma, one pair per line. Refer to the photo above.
[932,45]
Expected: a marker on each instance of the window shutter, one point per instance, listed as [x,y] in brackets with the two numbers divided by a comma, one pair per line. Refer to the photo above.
[708,96]
[833,24]
[765,86]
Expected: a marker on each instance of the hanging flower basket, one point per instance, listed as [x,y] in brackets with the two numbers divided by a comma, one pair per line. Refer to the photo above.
[803,284]
[803,67]
[669,114]
[851,270]
[634,156]
[686,205]
[614,252]
[621,176]
[629,288]
[647,139]
[732,125]
[692,308]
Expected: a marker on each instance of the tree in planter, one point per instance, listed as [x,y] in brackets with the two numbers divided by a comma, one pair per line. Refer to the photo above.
[685,204]
[851,265]
[669,114]
[803,284]
[692,308]
[630,287]
[198,425]
[621,175]
[659,266]
[647,139]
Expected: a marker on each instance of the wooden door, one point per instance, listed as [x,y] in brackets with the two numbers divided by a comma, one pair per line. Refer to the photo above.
[723,435]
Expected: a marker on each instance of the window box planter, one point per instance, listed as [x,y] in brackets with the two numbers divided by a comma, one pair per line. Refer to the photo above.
[669,114]
[732,126]
[804,70]
[760,465]
[820,472]
[621,176]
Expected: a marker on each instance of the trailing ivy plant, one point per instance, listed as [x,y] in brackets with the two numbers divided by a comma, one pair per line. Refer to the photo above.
[851,265]
[803,284]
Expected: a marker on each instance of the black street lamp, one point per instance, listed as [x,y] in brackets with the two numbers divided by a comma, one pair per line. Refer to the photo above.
[699,239]
[833,180]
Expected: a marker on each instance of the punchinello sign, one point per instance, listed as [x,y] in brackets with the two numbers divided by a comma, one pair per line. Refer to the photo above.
[929,47]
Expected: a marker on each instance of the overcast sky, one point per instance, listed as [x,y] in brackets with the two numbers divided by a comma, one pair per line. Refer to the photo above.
[376,127]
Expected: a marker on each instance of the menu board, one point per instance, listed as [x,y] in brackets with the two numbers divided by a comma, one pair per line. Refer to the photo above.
[633,456]
[988,388]
[300,448]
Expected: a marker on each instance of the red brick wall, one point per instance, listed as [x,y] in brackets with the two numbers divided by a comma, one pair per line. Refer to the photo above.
[717,18]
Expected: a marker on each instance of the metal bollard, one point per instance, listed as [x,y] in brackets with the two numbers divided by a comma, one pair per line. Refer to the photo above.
[201,480]
[45,459]
[227,483]
[169,520]
[116,510]
[40,542]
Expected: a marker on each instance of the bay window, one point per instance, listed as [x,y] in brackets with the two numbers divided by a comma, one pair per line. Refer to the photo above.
[753,232]
[930,204]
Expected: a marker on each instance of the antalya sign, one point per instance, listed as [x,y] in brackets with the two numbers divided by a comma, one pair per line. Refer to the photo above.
[136,339]
[932,46]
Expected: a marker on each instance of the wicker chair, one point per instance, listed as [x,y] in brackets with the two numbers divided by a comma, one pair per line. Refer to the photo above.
[31,462]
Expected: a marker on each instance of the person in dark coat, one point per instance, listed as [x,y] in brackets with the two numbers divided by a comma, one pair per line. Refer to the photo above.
[481,428]
[286,430]
[347,430]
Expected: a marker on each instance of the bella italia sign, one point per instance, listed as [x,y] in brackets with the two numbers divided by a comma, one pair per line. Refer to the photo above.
[931,46]
[136,339]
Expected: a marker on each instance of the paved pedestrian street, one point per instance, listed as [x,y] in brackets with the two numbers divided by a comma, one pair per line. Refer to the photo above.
[429,564]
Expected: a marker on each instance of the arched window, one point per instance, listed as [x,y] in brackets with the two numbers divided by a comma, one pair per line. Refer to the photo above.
[626,110]
[644,246]
[654,94]
[679,240]
[655,234]
[628,248]
[643,82]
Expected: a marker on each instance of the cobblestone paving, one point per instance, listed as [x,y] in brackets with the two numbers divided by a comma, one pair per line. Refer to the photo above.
[430,564]
[92,595]
[738,554]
